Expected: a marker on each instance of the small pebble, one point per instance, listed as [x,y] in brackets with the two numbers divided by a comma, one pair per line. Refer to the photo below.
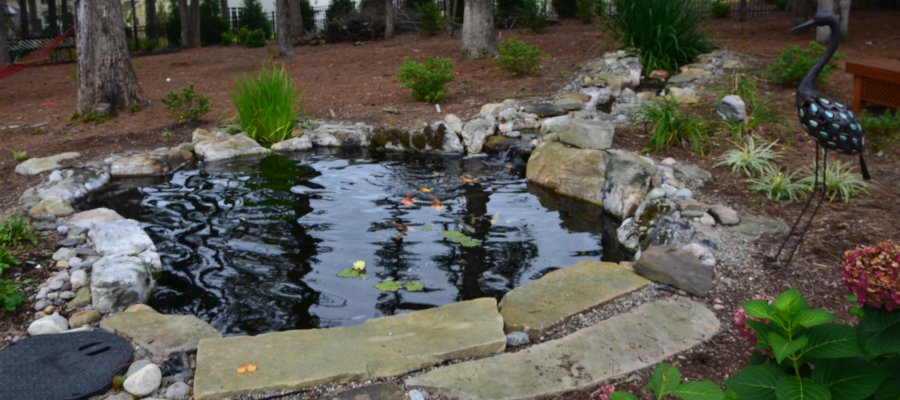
[62,229]
[684,193]
[137,365]
[668,161]
[415,395]
[514,339]
[178,391]
[41,304]
[76,262]
[78,279]
[67,295]
[55,284]
[143,381]
[707,220]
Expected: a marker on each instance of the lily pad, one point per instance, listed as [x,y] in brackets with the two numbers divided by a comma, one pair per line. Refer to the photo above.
[426,228]
[414,286]
[461,238]
[352,273]
[389,286]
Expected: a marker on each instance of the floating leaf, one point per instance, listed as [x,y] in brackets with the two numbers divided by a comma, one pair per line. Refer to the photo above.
[461,238]
[408,200]
[414,286]
[425,189]
[427,228]
[352,273]
[247,368]
[359,265]
[389,286]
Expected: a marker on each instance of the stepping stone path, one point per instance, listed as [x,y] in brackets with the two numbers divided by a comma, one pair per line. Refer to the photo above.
[587,358]
[378,348]
[161,334]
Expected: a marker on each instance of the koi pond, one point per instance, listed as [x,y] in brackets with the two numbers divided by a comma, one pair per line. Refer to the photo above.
[271,244]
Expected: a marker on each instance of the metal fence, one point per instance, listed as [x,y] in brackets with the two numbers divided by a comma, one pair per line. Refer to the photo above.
[704,7]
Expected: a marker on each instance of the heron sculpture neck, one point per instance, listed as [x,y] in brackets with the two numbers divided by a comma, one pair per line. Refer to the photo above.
[807,89]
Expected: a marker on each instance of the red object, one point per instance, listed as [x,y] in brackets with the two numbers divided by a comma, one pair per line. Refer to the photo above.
[35,56]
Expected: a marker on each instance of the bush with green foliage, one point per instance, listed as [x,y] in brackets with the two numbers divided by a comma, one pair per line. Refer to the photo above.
[173,25]
[15,231]
[564,8]
[10,296]
[6,259]
[720,9]
[431,21]
[841,181]
[212,22]
[669,126]
[518,57]
[267,104]
[338,9]
[586,10]
[148,45]
[426,80]
[666,33]
[777,185]
[255,38]
[750,158]
[254,18]
[793,63]
[665,382]
[881,132]
[534,14]
[186,105]
[227,38]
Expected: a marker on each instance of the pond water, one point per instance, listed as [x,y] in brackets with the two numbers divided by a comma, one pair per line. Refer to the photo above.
[256,246]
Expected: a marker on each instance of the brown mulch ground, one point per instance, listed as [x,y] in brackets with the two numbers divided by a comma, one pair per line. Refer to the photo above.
[357,83]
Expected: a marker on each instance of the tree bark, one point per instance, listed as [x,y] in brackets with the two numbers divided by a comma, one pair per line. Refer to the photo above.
[34,18]
[285,38]
[388,19]
[4,28]
[190,22]
[150,17]
[451,17]
[52,19]
[297,30]
[742,11]
[184,16]
[104,70]
[844,6]
[478,30]
[23,19]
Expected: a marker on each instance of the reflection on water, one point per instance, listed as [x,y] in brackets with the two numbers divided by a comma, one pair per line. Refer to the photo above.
[255,246]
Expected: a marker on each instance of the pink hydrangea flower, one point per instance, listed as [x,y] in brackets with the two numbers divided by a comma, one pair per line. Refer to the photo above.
[604,392]
[740,321]
[872,274]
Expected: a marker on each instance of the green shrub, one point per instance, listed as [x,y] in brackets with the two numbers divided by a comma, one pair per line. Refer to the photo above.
[665,382]
[666,33]
[586,10]
[534,15]
[212,22]
[881,132]
[793,63]
[10,296]
[227,38]
[186,105]
[749,157]
[148,45]
[719,9]
[6,259]
[267,104]
[15,231]
[255,38]
[565,8]
[20,155]
[778,185]
[254,18]
[841,181]
[670,126]
[431,21]
[426,80]
[338,9]
[518,57]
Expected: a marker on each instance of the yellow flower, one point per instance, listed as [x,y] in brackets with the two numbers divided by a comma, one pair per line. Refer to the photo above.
[359,265]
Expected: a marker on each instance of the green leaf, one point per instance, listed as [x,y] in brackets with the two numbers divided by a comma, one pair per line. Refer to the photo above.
[756,382]
[426,228]
[353,274]
[832,341]
[879,332]
[889,390]
[814,317]
[784,348]
[617,395]
[665,378]
[757,309]
[794,388]
[790,303]
[849,379]
[461,238]
[414,286]
[704,390]
[389,286]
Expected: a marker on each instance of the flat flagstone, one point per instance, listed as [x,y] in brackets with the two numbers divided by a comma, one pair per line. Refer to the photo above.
[379,347]
[542,303]
[587,358]
[34,166]
[161,334]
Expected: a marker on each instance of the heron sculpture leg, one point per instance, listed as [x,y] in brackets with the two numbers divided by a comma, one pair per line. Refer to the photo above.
[774,260]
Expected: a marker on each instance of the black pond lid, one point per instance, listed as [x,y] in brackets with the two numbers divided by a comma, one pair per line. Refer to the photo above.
[67,366]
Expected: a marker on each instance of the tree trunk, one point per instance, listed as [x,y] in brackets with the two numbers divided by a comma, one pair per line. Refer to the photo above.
[297,30]
[388,19]
[23,19]
[802,11]
[104,70]
[64,14]
[285,39]
[478,30]
[185,21]
[844,6]
[742,11]
[52,20]
[451,19]
[4,27]
[34,18]
[194,24]
[150,18]
[823,32]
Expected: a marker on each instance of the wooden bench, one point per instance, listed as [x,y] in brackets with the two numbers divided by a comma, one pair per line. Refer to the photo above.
[876,81]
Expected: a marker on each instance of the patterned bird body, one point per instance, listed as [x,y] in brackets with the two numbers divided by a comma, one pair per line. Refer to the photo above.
[832,124]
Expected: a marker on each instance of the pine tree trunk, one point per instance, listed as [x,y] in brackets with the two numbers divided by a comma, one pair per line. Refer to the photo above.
[297,30]
[23,19]
[742,11]
[388,19]
[52,19]
[451,17]
[34,18]
[4,28]
[285,38]
[478,30]
[150,16]
[194,24]
[104,70]
[184,17]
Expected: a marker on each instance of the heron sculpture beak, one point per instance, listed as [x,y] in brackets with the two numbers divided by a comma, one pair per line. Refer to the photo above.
[804,25]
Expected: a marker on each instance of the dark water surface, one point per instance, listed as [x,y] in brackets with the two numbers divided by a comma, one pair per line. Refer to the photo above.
[255,246]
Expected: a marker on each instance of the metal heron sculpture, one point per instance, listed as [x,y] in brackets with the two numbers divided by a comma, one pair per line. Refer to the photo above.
[831,124]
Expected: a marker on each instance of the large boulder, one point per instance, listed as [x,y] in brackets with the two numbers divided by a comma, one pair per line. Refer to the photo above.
[341,135]
[585,134]
[157,162]
[34,166]
[91,218]
[163,335]
[119,281]
[676,267]
[627,182]
[570,171]
[120,237]
[476,131]
[293,144]
[220,146]
[732,108]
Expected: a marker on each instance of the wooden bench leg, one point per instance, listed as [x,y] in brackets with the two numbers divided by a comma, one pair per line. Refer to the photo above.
[857,94]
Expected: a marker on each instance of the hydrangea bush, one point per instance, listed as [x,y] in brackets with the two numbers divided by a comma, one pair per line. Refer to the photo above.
[872,274]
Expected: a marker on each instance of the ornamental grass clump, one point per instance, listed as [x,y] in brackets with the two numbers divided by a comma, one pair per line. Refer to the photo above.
[267,104]
[779,185]
[872,274]
[750,158]
[668,126]
[841,181]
